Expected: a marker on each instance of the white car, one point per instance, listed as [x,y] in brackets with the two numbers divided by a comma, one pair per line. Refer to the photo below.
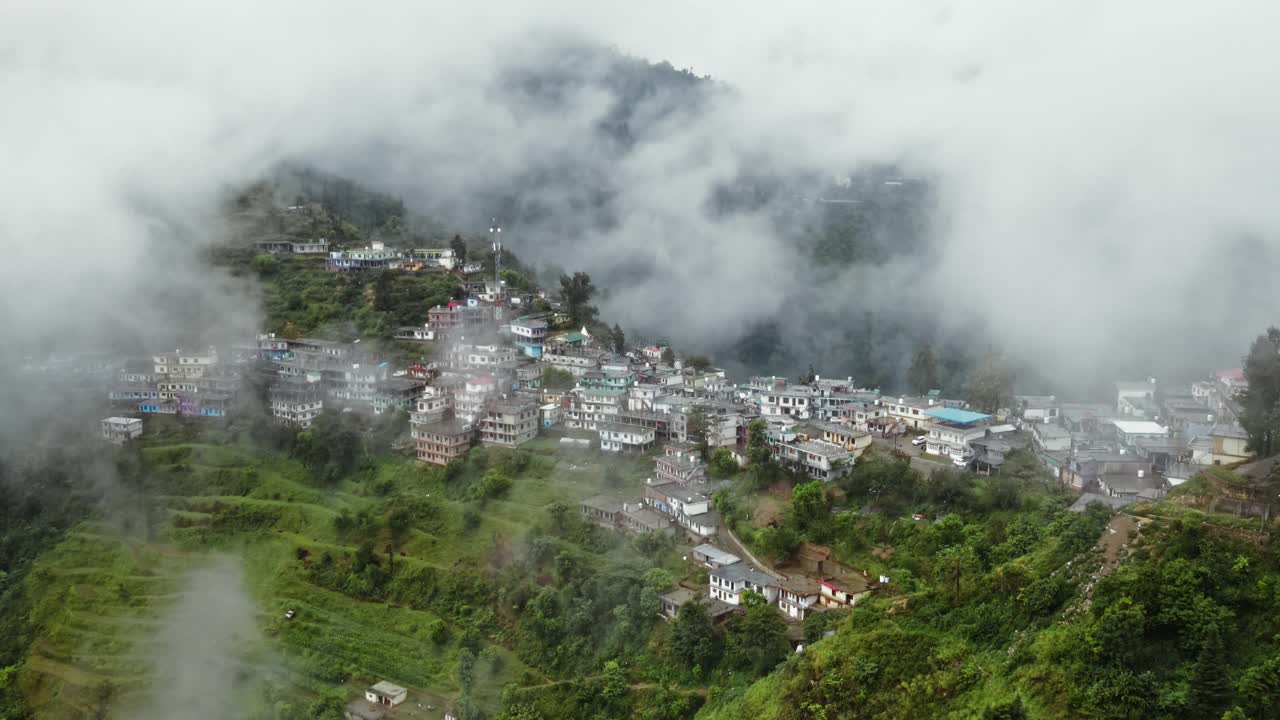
[918,440]
[962,460]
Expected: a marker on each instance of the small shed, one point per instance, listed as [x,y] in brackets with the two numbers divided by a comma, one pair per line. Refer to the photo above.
[385,693]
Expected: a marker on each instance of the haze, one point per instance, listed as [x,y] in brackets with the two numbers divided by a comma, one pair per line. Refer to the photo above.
[1104,170]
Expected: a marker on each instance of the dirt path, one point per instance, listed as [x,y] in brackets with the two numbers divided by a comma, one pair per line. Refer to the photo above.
[733,539]
[1115,536]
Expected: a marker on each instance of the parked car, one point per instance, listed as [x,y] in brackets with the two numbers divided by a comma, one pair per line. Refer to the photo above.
[289,614]
[919,440]
[962,460]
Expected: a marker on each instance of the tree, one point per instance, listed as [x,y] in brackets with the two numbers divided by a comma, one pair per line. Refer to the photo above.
[809,505]
[1006,711]
[990,384]
[698,429]
[557,379]
[923,375]
[1261,401]
[757,639]
[1209,687]
[722,463]
[576,292]
[809,377]
[618,339]
[459,247]
[1118,633]
[758,442]
[668,356]
[701,363]
[693,640]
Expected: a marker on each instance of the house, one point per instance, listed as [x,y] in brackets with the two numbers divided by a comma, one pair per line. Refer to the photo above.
[120,430]
[643,520]
[675,500]
[1230,443]
[713,557]
[457,316]
[529,376]
[384,693]
[952,430]
[509,423]
[1128,480]
[395,393]
[377,256]
[671,602]
[798,401]
[702,525]
[679,468]
[471,403]
[1089,470]
[1129,394]
[616,437]
[294,247]
[296,400]
[728,583]
[431,407]
[179,364]
[572,360]
[843,592]
[415,333]
[549,415]
[818,459]
[989,454]
[602,510]
[1037,408]
[530,334]
[442,442]
[1051,438]
[909,412]
[846,435]
[797,596]
[1129,432]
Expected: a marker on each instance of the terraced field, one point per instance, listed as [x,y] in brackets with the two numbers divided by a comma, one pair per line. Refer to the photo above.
[104,598]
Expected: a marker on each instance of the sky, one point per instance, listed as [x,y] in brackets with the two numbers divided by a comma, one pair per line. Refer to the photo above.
[1104,172]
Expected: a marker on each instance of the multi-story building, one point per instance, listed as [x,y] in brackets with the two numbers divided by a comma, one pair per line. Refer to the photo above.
[431,407]
[375,257]
[951,431]
[297,401]
[818,459]
[679,468]
[796,595]
[396,393]
[573,360]
[294,247]
[616,437]
[179,364]
[458,316]
[529,334]
[728,583]
[442,442]
[797,402]
[509,423]
[476,392]
[529,376]
[120,430]
[588,407]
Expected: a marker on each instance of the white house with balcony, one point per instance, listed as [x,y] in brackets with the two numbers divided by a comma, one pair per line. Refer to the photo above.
[728,583]
[615,437]
[952,429]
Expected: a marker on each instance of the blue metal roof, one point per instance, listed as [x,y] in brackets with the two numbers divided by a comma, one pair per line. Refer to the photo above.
[954,415]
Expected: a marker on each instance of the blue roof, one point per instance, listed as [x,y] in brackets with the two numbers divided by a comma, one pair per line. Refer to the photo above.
[954,415]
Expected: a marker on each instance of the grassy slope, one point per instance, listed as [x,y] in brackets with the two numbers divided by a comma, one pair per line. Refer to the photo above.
[98,594]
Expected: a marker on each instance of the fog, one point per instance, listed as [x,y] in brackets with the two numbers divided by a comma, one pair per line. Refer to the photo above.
[202,666]
[1102,174]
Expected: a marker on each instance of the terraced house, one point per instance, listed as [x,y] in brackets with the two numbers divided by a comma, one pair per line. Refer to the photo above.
[442,442]
[509,423]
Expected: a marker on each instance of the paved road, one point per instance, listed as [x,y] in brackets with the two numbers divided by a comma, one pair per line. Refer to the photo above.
[733,539]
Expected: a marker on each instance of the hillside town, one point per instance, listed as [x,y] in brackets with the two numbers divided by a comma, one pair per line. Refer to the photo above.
[485,384]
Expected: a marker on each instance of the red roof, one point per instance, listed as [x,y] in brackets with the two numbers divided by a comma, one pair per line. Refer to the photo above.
[484,379]
[1236,374]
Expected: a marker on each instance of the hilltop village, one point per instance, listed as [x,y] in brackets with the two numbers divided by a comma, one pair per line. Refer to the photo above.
[507,366]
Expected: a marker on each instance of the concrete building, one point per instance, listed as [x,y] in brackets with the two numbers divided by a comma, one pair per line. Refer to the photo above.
[120,430]
[384,693]
[797,596]
[377,256]
[509,423]
[616,437]
[458,316]
[818,459]
[728,583]
[442,442]
[297,400]
[951,431]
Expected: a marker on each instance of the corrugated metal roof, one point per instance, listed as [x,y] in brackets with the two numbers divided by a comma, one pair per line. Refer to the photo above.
[955,415]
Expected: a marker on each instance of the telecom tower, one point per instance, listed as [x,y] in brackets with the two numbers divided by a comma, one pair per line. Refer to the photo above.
[495,236]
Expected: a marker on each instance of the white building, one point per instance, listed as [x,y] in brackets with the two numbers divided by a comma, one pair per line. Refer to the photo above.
[182,364]
[615,437]
[819,459]
[121,430]
[728,583]
[385,693]
[797,402]
[796,595]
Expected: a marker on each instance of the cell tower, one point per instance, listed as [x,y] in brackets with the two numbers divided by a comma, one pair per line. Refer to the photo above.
[495,236]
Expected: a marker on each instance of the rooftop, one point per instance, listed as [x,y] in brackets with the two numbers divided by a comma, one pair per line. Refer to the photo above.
[1139,427]
[387,688]
[1229,430]
[604,503]
[821,447]
[955,415]
[799,585]
[716,555]
[743,572]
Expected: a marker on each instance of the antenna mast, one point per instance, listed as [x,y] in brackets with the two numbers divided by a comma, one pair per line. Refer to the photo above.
[495,236]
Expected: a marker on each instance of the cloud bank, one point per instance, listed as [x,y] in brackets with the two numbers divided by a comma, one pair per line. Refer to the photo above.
[1102,171]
